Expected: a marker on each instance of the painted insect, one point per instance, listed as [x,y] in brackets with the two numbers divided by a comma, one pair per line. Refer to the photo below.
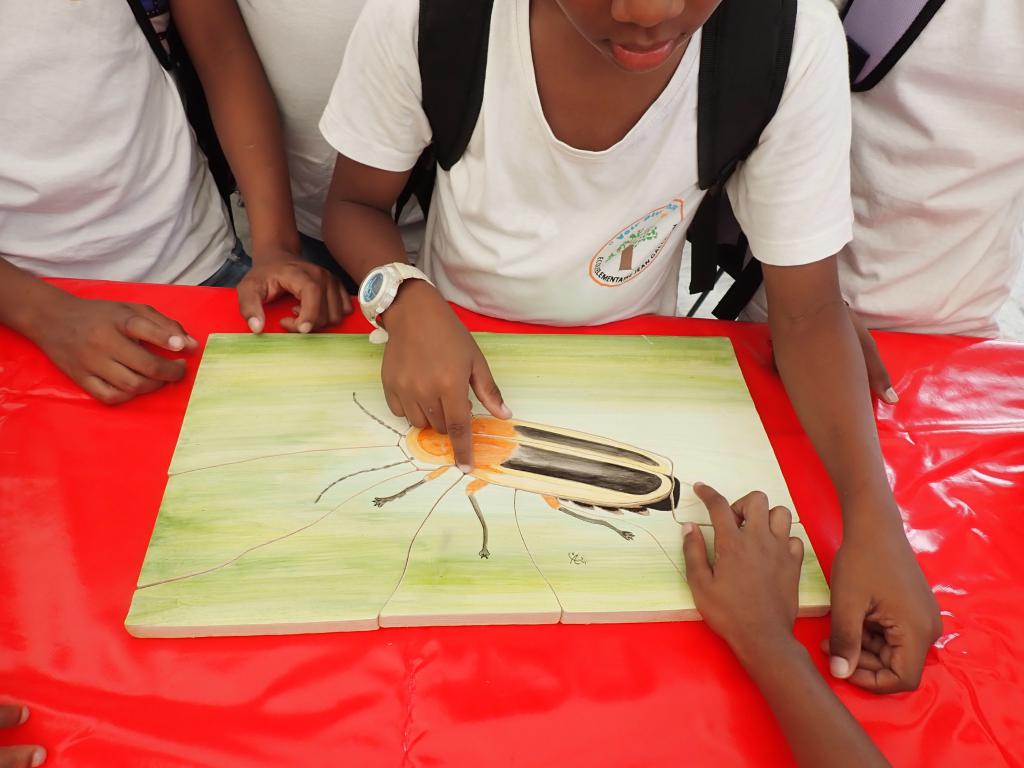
[564,467]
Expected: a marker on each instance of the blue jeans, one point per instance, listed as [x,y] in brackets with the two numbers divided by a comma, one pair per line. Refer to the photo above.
[232,270]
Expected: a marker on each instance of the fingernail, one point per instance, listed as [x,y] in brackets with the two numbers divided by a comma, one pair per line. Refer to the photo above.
[24,716]
[891,397]
[687,529]
[505,411]
[38,757]
[839,667]
[306,327]
[176,343]
[191,341]
[697,486]
[465,469]
[255,324]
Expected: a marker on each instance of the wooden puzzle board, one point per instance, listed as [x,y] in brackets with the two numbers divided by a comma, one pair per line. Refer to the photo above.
[258,534]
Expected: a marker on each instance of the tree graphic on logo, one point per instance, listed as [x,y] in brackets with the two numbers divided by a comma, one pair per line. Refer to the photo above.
[625,256]
[637,236]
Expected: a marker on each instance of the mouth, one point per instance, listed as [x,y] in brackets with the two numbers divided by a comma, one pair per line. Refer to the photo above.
[637,58]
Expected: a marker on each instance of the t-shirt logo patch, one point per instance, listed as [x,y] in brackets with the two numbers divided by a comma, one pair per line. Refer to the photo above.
[636,247]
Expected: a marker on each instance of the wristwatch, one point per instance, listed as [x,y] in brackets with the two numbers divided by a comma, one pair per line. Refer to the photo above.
[378,292]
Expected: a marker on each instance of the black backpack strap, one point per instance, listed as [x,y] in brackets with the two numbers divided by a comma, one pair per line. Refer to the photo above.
[162,53]
[174,58]
[453,37]
[879,32]
[746,48]
[740,292]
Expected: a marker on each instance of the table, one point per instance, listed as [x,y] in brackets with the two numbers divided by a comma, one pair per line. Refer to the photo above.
[80,485]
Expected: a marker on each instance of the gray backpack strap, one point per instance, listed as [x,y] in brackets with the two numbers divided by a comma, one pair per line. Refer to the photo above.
[879,32]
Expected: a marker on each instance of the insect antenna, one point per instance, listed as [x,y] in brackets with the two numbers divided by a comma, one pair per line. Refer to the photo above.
[360,472]
[276,539]
[386,426]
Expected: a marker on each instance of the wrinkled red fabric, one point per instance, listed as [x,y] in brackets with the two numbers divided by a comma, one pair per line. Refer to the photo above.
[80,485]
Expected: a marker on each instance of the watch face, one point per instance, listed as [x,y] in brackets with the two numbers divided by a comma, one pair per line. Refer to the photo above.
[371,288]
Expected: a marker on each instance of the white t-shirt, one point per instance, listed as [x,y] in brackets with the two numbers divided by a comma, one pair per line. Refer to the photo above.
[938,176]
[301,46]
[528,228]
[100,176]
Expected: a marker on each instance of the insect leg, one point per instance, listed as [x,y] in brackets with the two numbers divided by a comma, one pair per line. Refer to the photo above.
[556,504]
[360,472]
[380,501]
[471,490]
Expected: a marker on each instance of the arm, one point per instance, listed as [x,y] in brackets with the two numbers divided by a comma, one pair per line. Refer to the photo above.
[249,128]
[792,198]
[96,343]
[25,300]
[358,227]
[430,361]
[822,367]
[819,729]
[878,589]
[749,598]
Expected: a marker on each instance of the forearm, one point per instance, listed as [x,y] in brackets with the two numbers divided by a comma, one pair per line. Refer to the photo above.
[361,237]
[244,114]
[822,368]
[819,729]
[24,299]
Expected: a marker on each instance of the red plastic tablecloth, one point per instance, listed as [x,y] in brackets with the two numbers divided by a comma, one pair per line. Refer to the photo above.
[80,485]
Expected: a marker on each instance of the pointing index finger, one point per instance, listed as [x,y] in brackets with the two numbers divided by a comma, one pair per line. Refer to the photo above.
[722,516]
[458,420]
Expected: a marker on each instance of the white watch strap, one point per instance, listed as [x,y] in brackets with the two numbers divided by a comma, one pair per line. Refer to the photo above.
[405,272]
[409,272]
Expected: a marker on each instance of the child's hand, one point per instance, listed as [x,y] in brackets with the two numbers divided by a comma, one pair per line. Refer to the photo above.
[322,299]
[749,595]
[98,344]
[430,362]
[884,615]
[11,716]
